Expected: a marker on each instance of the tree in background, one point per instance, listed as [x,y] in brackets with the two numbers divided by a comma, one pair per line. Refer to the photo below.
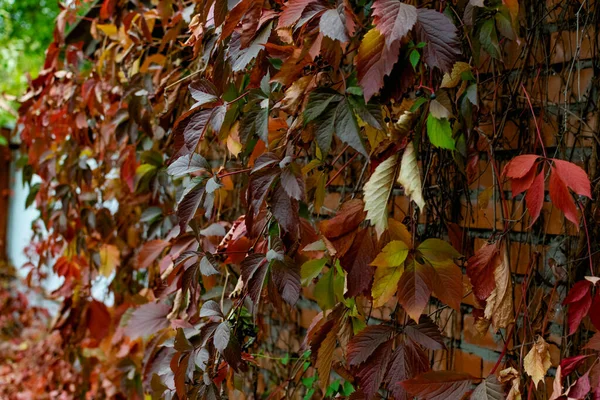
[233,169]
[26,28]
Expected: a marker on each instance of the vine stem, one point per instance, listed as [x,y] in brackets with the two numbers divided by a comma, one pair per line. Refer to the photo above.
[339,171]
[537,128]
[512,328]
[587,236]
[239,97]
[239,171]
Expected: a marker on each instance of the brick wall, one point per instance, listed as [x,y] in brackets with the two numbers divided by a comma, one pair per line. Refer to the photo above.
[555,62]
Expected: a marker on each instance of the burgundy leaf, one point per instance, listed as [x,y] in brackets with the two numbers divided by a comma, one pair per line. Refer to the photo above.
[408,361]
[286,277]
[285,211]
[426,333]
[254,270]
[371,373]
[150,252]
[362,346]
[393,19]
[186,209]
[439,385]
[357,262]
[147,320]
[440,34]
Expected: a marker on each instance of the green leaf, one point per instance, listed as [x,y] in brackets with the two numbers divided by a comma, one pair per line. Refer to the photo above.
[346,127]
[3,141]
[489,39]
[318,102]
[311,269]
[329,287]
[440,132]
[414,58]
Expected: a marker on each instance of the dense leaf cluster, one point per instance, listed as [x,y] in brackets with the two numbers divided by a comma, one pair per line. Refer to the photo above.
[189,153]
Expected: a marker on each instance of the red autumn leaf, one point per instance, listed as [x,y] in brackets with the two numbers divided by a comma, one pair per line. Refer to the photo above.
[519,185]
[574,177]
[347,219]
[561,198]
[519,166]
[286,277]
[534,197]
[150,252]
[568,365]
[439,385]
[579,301]
[362,346]
[98,320]
[480,270]
[292,11]
[128,168]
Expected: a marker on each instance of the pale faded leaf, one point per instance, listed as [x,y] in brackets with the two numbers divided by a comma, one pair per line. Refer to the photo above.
[377,192]
[452,79]
[410,176]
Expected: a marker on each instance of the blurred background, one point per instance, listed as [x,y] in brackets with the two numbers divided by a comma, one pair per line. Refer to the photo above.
[26,29]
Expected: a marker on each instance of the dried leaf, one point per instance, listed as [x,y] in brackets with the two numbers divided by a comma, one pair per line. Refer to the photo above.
[537,362]
[377,192]
[410,176]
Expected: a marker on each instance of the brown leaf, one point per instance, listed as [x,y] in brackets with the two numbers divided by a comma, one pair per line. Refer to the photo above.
[499,307]
[537,362]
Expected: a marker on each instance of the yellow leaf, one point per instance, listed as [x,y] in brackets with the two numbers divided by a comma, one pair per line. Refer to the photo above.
[390,266]
[399,231]
[109,259]
[320,192]
[392,255]
[511,375]
[537,361]
[108,29]
[377,193]
[410,177]
[234,144]
[453,78]
[385,284]
[374,136]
